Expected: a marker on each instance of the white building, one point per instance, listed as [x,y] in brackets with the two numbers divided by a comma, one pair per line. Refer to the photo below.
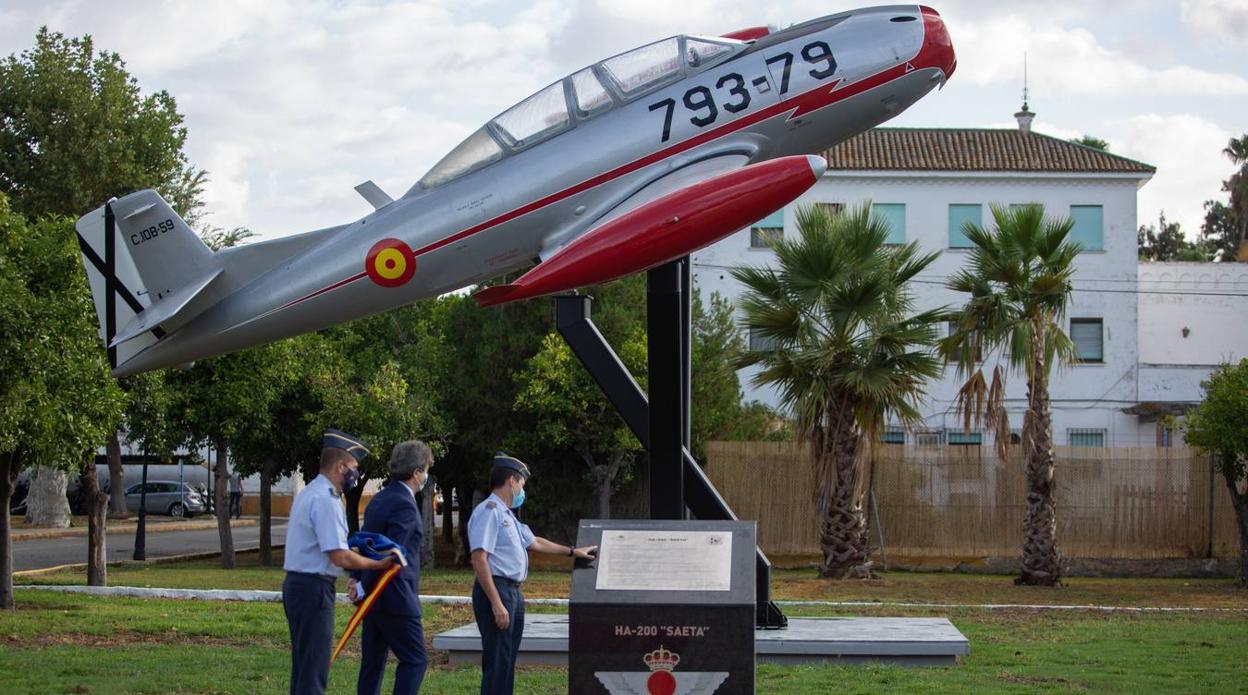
[926,182]
[1193,317]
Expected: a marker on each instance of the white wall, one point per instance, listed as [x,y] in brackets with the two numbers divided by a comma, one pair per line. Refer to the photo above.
[1084,395]
[1210,300]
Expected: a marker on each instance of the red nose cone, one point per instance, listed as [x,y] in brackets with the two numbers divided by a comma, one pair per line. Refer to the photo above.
[937,51]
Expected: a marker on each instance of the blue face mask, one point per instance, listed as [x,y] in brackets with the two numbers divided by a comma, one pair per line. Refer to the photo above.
[350,479]
[518,499]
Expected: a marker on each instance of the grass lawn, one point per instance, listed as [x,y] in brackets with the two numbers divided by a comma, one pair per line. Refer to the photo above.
[915,587]
[56,643]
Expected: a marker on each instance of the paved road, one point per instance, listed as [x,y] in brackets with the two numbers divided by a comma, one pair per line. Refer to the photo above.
[36,554]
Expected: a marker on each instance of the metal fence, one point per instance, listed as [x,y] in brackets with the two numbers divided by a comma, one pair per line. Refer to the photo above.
[964,502]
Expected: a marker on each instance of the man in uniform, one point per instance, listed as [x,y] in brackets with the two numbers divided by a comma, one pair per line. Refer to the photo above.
[394,623]
[500,559]
[316,553]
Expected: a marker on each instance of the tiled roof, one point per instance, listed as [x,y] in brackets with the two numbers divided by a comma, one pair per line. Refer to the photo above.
[969,149]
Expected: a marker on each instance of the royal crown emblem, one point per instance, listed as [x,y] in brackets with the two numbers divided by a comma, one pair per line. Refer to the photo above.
[661,660]
[660,679]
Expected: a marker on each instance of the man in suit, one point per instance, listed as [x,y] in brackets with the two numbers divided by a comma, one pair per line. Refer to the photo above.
[394,623]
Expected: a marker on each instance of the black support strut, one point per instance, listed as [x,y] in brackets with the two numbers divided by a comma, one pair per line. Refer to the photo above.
[678,487]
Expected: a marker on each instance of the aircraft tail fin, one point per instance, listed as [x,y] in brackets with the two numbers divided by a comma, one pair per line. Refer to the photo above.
[146,268]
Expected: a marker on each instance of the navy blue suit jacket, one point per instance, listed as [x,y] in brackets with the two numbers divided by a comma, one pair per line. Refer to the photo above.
[393,513]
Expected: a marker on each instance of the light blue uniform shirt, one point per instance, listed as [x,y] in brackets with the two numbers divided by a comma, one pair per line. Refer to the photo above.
[496,530]
[318,524]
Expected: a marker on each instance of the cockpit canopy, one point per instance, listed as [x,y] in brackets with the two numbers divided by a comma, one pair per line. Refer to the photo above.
[582,95]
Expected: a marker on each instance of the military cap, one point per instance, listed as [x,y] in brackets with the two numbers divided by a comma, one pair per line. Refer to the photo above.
[337,439]
[502,460]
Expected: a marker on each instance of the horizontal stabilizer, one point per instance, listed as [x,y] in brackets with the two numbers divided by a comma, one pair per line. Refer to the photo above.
[166,308]
[666,228]
[374,195]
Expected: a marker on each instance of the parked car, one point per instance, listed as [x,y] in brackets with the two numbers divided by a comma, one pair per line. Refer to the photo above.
[167,497]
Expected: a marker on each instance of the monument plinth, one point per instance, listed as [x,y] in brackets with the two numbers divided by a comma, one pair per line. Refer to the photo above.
[667,607]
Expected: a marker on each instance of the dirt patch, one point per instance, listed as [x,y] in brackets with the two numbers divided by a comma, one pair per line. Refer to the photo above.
[1044,680]
[121,639]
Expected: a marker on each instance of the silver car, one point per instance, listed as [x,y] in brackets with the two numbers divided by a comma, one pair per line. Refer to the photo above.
[167,497]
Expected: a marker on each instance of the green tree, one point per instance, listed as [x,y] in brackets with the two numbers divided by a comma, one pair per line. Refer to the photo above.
[483,350]
[569,411]
[215,401]
[1226,224]
[1219,425]
[76,130]
[847,351]
[375,381]
[1018,279]
[286,441]
[57,401]
[1091,141]
[1166,242]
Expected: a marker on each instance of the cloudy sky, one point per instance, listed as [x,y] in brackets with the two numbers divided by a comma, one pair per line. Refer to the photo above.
[290,103]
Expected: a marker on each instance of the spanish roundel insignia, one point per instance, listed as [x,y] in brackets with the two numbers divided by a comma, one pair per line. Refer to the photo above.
[390,263]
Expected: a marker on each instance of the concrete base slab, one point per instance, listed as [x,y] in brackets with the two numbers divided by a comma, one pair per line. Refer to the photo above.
[906,641]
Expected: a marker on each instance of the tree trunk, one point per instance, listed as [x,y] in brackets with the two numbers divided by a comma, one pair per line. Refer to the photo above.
[8,474]
[605,475]
[1239,500]
[352,497]
[426,520]
[463,558]
[1041,559]
[266,516]
[116,480]
[843,521]
[221,500]
[45,503]
[448,516]
[97,513]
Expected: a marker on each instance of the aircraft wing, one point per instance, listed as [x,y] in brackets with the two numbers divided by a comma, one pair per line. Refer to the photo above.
[665,225]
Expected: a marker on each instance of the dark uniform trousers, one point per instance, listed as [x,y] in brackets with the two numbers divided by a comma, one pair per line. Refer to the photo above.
[309,603]
[499,647]
[401,634]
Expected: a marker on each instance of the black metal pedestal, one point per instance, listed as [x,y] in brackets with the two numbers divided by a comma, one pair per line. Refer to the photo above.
[678,487]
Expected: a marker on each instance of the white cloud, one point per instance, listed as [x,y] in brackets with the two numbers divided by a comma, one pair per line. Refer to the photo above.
[1063,61]
[1225,19]
[1187,151]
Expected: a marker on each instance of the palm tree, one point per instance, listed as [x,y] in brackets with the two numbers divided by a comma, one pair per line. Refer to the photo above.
[846,351]
[1019,282]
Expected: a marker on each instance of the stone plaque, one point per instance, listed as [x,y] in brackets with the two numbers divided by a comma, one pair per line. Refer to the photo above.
[684,560]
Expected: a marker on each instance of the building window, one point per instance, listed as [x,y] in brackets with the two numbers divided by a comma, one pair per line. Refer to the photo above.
[979,349]
[958,216]
[767,231]
[1085,436]
[929,437]
[1089,340]
[1089,226]
[960,437]
[893,435]
[760,342]
[831,208]
[893,214]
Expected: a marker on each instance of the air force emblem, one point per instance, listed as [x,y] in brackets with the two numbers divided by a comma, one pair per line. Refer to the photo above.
[661,679]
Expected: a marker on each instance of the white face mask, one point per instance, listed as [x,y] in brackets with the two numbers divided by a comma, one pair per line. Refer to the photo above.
[423,480]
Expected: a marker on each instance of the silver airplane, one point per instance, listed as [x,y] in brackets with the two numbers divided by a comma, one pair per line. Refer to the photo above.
[619,167]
